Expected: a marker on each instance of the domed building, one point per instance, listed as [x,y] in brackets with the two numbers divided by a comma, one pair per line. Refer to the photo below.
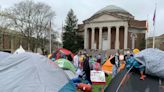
[112,28]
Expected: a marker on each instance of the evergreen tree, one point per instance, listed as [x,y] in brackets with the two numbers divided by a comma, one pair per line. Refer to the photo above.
[71,40]
[143,43]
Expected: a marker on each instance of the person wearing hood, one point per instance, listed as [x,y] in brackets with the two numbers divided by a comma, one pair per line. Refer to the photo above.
[134,62]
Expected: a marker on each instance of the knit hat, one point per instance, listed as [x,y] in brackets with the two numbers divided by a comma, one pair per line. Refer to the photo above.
[136,51]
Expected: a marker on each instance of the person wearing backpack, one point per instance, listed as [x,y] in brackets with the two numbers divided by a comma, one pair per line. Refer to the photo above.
[114,59]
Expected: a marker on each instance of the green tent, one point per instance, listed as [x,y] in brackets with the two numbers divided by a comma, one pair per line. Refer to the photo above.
[65,64]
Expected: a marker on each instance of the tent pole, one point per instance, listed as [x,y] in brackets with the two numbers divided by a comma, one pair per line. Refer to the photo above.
[123,79]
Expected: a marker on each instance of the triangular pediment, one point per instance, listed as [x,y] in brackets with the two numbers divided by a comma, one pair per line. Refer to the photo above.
[105,17]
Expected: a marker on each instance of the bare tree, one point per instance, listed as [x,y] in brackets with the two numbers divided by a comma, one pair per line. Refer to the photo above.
[31,19]
[42,24]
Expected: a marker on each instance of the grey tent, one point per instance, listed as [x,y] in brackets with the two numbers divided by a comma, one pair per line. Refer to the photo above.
[129,80]
[126,81]
[29,72]
[153,59]
[4,55]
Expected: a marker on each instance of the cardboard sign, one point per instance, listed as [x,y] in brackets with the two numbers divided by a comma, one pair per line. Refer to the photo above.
[98,77]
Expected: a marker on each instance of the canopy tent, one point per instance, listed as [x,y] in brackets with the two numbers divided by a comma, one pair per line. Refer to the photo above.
[4,55]
[29,72]
[65,64]
[62,52]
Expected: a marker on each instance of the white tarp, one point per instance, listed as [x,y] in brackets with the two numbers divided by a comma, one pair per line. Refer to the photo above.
[29,72]
[153,61]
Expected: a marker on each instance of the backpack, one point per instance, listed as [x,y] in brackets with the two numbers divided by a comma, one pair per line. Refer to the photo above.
[113,61]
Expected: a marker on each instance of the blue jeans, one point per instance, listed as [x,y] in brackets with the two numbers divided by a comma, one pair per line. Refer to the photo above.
[114,71]
[76,81]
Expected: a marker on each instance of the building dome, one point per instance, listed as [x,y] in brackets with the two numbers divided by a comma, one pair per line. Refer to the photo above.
[112,9]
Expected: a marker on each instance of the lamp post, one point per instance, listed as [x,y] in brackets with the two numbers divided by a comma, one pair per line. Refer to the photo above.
[50,36]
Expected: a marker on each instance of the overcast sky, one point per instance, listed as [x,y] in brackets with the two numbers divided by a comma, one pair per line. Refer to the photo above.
[141,9]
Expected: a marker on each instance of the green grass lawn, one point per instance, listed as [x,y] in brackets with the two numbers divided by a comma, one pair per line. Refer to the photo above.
[98,88]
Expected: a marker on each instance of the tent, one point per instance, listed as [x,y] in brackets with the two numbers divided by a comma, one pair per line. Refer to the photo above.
[4,55]
[19,50]
[70,74]
[60,52]
[69,87]
[65,64]
[153,59]
[129,81]
[29,72]
[107,67]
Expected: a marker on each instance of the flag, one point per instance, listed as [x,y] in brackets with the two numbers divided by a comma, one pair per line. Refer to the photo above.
[154,17]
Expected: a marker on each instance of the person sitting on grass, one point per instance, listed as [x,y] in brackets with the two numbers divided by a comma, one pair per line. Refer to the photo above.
[81,83]
[134,62]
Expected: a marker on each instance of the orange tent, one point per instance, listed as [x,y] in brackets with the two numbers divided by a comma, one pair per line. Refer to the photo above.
[107,67]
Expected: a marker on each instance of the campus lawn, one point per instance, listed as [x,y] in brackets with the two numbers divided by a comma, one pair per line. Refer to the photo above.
[98,88]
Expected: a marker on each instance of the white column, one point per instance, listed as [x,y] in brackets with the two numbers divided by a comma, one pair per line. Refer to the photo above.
[117,45]
[93,38]
[125,37]
[133,42]
[85,39]
[109,37]
[100,38]
[133,36]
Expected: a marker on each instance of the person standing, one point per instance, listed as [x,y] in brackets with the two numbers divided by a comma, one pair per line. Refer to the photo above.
[116,64]
[86,68]
[76,60]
